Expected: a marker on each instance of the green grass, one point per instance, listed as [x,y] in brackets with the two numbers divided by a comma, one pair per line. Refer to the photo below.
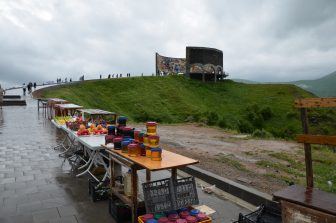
[324,167]
[175,99]
[231,161]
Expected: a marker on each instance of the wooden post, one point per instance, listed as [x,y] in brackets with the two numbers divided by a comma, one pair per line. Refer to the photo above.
[148,175]
[307,148]
[174,173]
[134,193]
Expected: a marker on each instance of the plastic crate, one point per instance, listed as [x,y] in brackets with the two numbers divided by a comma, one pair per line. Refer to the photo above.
[261,215]
[158,195]
[206,221]
[185,192]
[122,212]
[119,211]
[98,194]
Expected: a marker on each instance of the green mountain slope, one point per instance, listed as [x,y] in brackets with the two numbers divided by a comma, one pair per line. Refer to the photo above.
[175,99]
[322,87]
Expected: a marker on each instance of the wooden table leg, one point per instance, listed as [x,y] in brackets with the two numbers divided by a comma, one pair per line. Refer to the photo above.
[174,173]
[134,194]
[148,175]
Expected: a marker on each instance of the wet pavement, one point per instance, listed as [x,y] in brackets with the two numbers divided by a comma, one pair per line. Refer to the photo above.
[37,186]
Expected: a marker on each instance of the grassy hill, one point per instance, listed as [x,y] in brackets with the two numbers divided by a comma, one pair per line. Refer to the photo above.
[175,99]
[323,87]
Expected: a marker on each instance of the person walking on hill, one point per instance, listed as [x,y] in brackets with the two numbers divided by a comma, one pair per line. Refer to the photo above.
[34,85]
[2,93]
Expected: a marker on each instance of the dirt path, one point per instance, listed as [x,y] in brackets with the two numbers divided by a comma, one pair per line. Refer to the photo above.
[226,154]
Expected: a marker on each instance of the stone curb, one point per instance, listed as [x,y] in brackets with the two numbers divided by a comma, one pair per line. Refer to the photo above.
[243,192]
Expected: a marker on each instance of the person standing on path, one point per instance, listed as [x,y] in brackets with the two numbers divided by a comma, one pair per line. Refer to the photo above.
[34,85]
[2,93]
[24,88]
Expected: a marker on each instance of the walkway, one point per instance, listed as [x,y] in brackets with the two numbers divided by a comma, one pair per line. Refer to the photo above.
[36,186]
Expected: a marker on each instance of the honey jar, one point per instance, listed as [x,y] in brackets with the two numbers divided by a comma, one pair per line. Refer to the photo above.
[148,152]
[142,149]
[141,137]
[124,146]
[145,140]
[136,135]
[117,143]
[156,154]
[151,128]
[153,140]
[133,150]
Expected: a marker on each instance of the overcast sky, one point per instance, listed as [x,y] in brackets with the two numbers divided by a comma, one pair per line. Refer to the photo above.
[261,40]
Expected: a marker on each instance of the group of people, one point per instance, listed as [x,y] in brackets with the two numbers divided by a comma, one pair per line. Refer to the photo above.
[2,93]
[59,80]
[29,87]
[116,76]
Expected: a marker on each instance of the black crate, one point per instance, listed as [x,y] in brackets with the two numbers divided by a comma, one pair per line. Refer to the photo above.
[98,193]
[122,212]
[158,195]
[119,211]
[185,192]
[261,215]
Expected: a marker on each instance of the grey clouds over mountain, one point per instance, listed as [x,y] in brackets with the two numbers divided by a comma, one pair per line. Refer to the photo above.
[262,40]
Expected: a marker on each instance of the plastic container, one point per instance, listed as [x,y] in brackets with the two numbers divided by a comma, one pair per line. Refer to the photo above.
[151,128]
[109,139]
[122,121]
[136,135]
[182,209]
[117,143]
[152,221]
[163,220]
[156,154]
[111,130]
[153,140]
[173,217]
[124,145]
[133,150]
[141,137]
[202,217]
[146,217]
[194,212]
[191,219]
[148,152]
[128,183]
[181,221]
[142,149]
[159,215]
[127,131]
[184,214]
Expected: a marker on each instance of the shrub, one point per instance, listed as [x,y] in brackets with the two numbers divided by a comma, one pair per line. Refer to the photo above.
[244,126]
[211,118]
[261,134]
[266,113]
[223,123]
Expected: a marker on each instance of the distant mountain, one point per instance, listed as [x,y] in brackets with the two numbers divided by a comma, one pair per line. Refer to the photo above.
[244,81]
[322,87]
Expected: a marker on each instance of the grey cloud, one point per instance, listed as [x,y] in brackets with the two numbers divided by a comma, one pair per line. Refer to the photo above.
[261,40]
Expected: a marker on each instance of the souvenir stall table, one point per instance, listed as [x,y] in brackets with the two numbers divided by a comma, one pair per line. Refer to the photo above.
[170,161]
[93,114]
[51,106]
[67,109]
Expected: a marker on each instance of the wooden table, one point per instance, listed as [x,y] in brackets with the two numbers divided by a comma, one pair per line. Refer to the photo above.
[170,161]
[299,203]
